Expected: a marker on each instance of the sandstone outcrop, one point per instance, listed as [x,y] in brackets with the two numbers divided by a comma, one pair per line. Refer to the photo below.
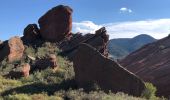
[13,49]
[56,24]
[92,67]
[16,49]
[31,33]
[99,40]
[152,64]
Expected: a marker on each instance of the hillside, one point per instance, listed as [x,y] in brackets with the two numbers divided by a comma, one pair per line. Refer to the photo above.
[51,63]
[151,63]
[119,48]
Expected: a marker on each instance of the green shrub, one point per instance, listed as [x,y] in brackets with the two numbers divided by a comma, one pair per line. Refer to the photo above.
[150,92]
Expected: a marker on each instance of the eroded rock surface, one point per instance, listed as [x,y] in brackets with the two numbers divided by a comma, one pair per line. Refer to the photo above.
[92,67]
[152,64]
[99,40]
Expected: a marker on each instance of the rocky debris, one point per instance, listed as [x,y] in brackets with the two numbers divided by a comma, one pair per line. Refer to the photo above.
[99,40]
[31,58]
[152,64]
[92,67]
[49,61]
[56,24]
[31,33]
[20,71]
[13,48]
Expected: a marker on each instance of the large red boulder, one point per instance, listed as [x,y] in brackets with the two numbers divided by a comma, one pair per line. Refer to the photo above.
[13,49]
[92,67]
[16,49]
[56,24]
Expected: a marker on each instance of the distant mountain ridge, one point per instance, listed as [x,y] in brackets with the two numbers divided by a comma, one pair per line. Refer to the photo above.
[121,47]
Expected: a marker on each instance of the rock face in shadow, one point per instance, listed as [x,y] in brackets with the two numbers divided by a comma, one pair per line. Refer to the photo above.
[31,33]
[56,24]
[13,49]
[152,64]
[92,67]
[99,40]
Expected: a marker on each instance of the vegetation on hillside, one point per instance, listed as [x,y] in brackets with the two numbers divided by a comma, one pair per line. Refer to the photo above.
[48,84]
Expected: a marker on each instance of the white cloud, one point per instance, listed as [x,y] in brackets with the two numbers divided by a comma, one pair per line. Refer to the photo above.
[158,28]
[85,27]
[124,10]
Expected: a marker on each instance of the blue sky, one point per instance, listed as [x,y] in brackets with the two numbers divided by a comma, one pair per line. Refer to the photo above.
[122,18]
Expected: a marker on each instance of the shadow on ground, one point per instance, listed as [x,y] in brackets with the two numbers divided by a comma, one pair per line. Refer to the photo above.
[37,88]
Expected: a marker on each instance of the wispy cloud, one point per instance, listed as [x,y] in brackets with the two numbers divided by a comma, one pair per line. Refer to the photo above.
[158,28]
[125,10]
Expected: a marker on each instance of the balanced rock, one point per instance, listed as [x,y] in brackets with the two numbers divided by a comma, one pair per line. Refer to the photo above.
[31,33]
[56,24]
[92,67]
[13,49]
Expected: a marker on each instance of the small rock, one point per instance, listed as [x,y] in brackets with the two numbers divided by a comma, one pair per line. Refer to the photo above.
[25,69]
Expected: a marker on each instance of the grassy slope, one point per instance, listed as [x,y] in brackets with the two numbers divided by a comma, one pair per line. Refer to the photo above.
[47,84]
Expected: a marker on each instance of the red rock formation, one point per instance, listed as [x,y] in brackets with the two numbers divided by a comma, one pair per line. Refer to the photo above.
[152,64]
[56,24]
[99,40]
[31,33]
[16,49]
[90,66]
[13,48]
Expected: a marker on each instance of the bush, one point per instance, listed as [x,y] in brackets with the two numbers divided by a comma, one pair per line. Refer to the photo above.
[150,92]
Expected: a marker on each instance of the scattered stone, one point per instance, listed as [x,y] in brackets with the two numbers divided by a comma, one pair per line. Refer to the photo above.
[30,57]
[31,33]
[56,24]
[92,67]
